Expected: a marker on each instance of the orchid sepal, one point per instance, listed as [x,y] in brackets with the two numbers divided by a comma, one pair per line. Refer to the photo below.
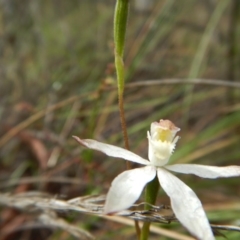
[112,150]
[205,171]
[127,187]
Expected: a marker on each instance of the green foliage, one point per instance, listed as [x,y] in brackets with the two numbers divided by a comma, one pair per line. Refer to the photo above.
[59,53]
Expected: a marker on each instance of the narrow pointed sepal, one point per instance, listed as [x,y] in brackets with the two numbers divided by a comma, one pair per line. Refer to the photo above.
[112,151]
[127,187]
[186,205]
[206,171]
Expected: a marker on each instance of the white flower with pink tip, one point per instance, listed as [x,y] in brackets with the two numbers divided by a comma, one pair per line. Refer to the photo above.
[127,187]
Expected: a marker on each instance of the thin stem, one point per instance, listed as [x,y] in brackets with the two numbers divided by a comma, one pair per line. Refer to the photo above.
[151,192]
[120,26]
[123,124]
[120,77]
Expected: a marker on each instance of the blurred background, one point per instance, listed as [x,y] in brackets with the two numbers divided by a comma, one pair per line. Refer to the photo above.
[57,79]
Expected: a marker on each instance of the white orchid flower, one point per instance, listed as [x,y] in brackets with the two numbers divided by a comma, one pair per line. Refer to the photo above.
[127,187]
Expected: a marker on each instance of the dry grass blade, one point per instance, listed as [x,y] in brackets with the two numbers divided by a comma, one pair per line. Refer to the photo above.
[226,227]
[15,130]
[154,229]
[36,202]
[50,219]
[27,180]
[214,82]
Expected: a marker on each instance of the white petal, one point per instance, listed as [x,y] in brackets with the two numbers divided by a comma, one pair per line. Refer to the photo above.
[112,151]
[186,205]
[127,187]
[206,171]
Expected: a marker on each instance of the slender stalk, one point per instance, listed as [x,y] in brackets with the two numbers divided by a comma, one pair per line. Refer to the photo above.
[120,26]
[151,192]
[123,124]
[120,77]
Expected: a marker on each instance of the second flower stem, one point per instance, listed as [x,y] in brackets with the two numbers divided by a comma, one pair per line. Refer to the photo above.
[151,192]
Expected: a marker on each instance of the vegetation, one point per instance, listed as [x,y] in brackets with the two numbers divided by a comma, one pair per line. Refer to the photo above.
[58,80]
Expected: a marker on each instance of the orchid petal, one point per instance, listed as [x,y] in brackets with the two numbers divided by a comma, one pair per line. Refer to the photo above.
[127,187]
[112,151]
[186,205]
[205,171]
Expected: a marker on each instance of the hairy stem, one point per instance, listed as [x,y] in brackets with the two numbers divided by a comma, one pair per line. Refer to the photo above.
[120,26]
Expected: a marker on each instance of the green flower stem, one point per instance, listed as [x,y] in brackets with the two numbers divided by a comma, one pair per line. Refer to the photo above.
[120,26]
[151,192]
[120,77]
[119,64]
